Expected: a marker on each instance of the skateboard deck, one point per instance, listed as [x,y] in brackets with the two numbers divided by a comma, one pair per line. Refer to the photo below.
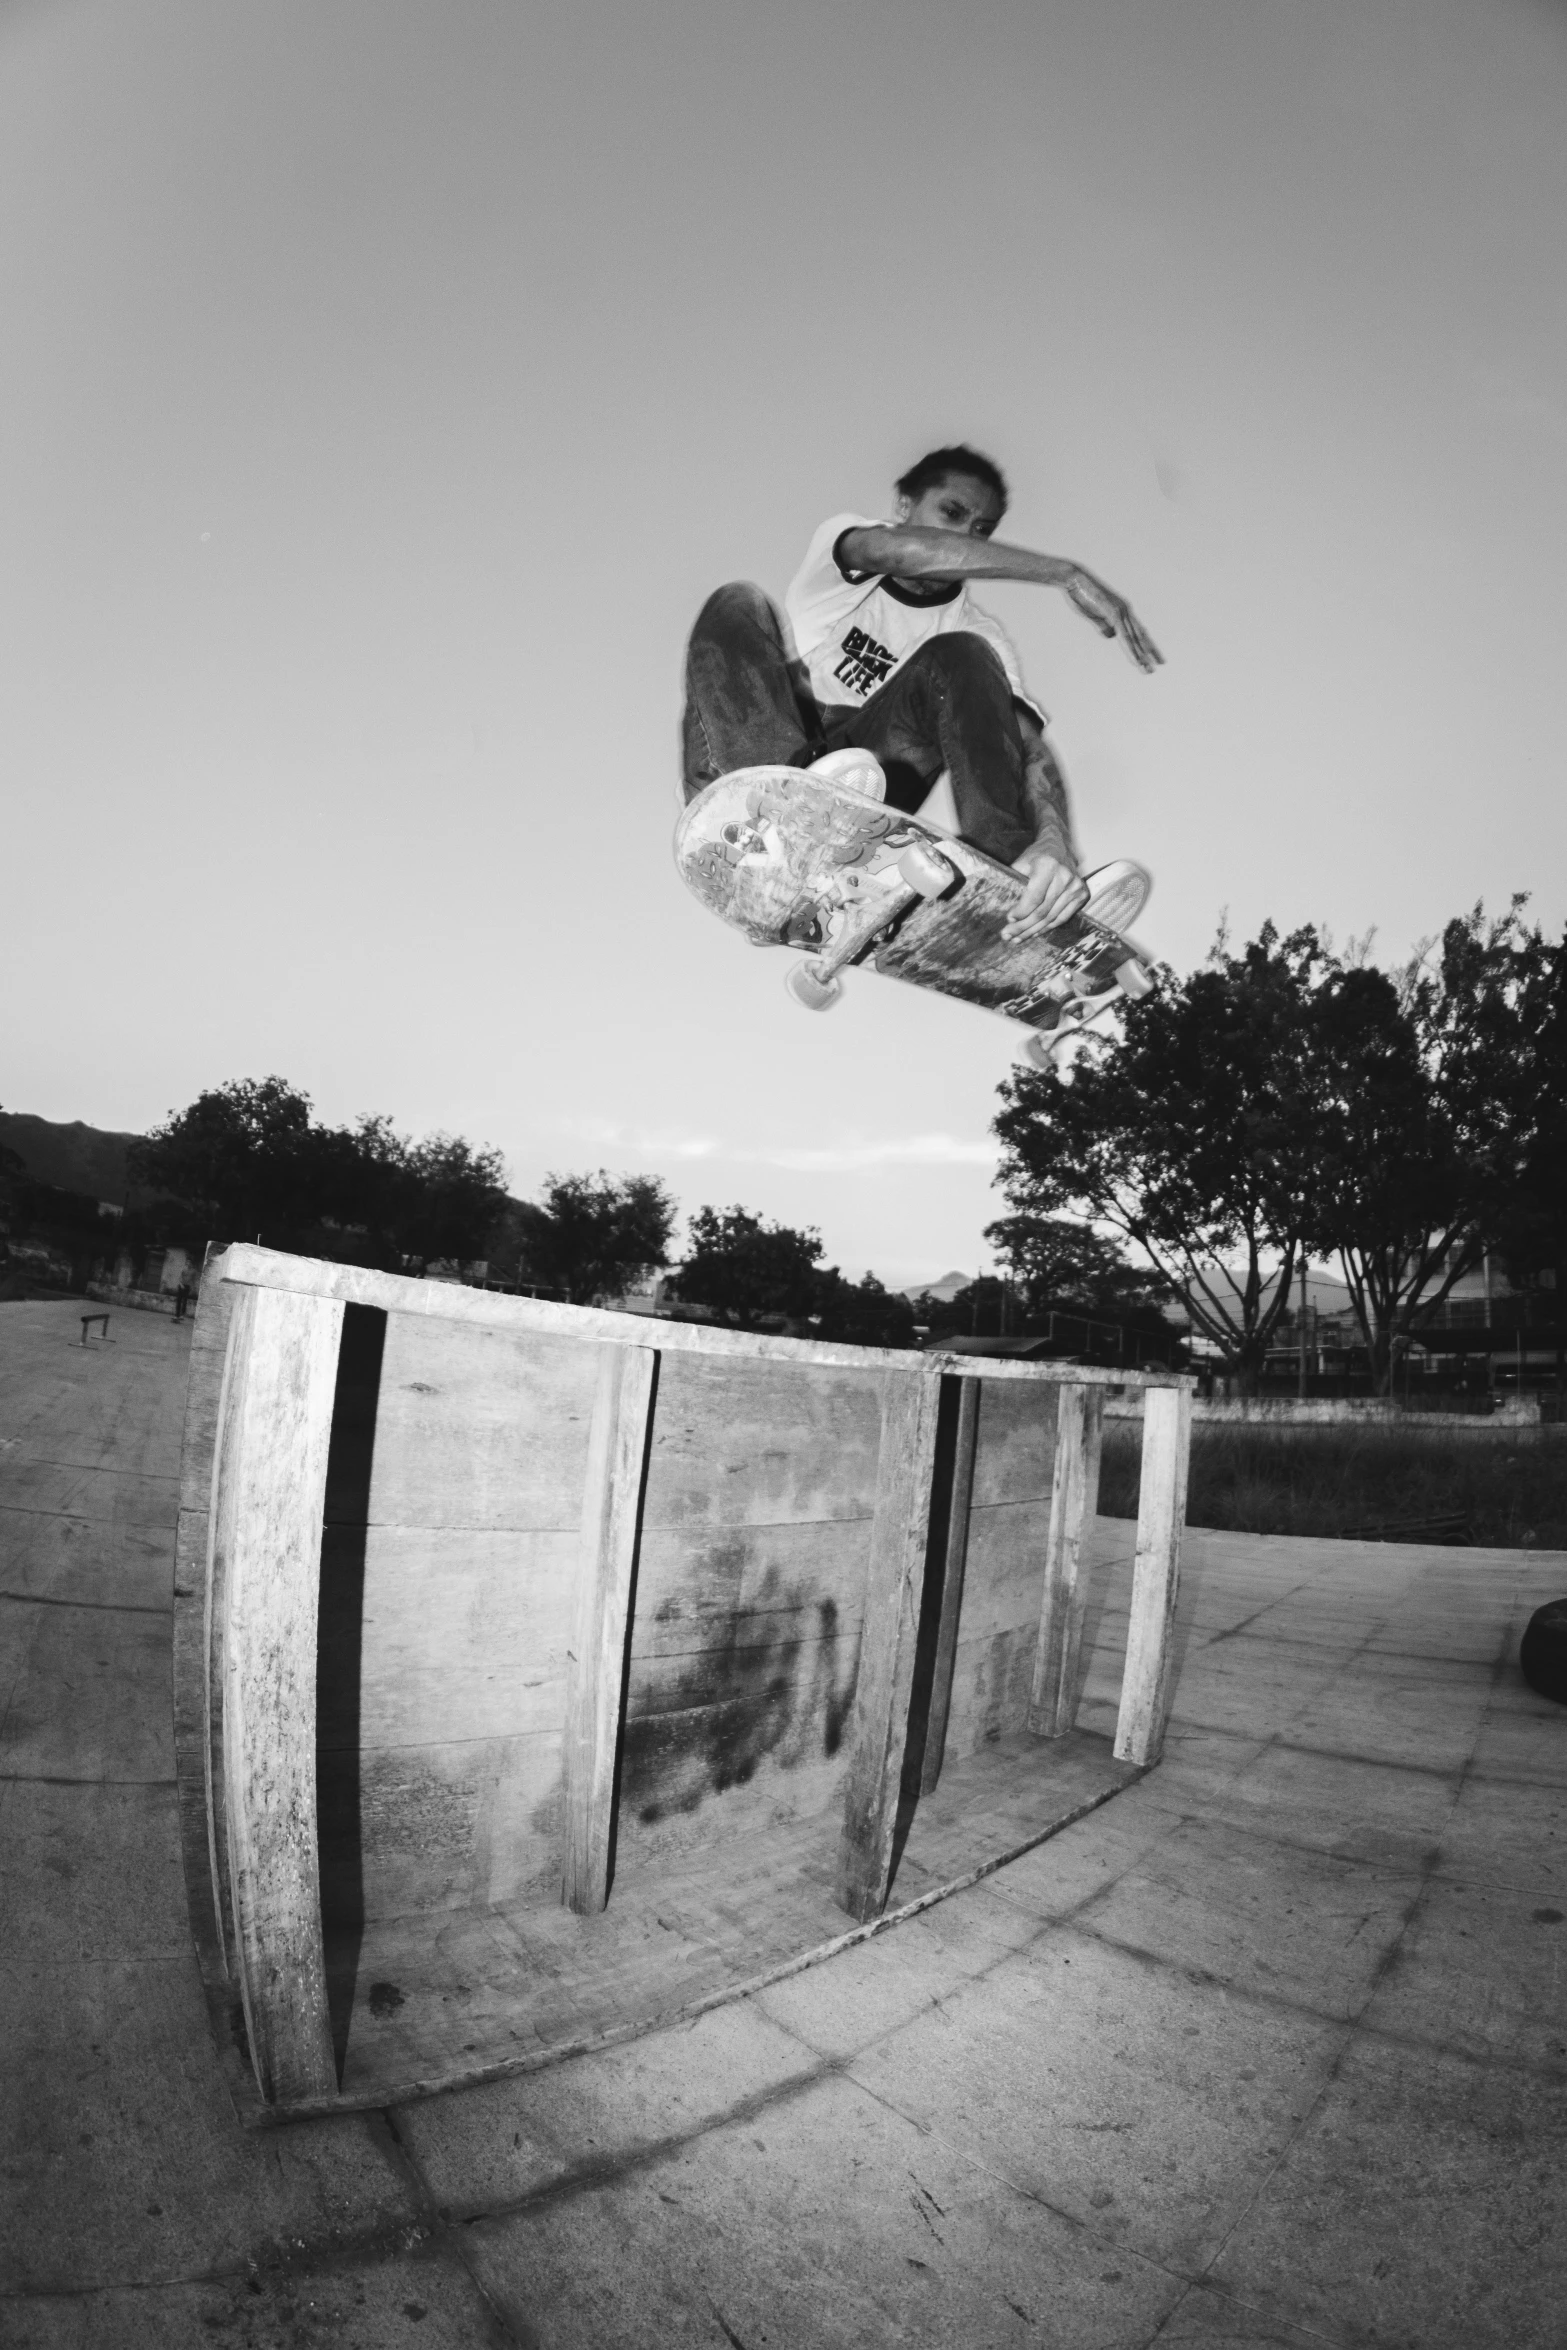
[796,860]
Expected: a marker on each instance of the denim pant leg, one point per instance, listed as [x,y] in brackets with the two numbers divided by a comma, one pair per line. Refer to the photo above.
[748,702]
[950,705]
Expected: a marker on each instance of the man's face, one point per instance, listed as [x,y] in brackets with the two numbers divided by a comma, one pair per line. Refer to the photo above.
[959,503]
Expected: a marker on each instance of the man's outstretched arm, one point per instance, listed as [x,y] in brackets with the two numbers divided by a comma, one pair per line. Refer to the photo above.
[908,551]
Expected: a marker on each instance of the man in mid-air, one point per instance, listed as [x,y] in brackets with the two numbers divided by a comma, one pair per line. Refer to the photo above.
[885,652]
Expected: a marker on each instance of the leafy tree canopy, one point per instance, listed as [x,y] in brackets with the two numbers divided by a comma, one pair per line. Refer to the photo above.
[1191,1137]
[748,1269]
[1534,1223]
[759,1275]
[861,1313]
[1061,1261]
[249,1159]
[1433,1082]
[595,1235]
[1288,1100]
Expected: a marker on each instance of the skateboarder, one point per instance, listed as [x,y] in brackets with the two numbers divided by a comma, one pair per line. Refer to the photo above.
[884,651]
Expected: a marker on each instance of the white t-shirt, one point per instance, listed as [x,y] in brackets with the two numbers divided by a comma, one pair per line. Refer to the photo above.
[853,631]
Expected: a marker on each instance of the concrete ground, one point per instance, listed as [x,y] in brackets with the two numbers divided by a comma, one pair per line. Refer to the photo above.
[1271,2050]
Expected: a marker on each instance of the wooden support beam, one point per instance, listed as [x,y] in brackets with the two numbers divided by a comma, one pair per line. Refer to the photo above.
[894,1588]
[1074,1497]
[269,1493]
[964,1438]
[596,1664]
[1161,1521]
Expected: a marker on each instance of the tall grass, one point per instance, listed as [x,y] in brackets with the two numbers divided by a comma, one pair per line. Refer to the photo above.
[1337,1480]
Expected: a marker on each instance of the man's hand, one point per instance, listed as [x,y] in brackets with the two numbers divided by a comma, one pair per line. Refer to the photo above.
[1112,615]
[1055,891]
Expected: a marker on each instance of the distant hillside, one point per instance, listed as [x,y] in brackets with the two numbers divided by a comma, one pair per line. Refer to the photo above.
[74,1158]
[946,1288]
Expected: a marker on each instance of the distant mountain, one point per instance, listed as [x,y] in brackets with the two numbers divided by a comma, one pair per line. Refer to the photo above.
[1323,1294]
[81,1158]
[946,1288]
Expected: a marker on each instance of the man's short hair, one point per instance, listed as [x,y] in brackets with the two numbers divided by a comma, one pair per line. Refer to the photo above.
[941,464]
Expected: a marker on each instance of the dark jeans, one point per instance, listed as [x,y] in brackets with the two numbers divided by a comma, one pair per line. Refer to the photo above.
[749,704]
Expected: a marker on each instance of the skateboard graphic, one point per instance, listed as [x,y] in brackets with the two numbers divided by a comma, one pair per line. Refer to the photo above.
[793,859]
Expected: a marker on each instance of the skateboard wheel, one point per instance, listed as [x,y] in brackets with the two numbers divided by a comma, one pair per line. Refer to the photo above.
[926,873]
[1054,1054]
[807,987]
[1132,979]
[1044,1053]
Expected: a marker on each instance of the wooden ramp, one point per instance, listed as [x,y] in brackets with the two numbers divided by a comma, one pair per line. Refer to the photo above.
[543,1673]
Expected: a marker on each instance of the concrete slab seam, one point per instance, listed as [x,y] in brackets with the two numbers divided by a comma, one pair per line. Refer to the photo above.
[450,2238]
[1234,1631]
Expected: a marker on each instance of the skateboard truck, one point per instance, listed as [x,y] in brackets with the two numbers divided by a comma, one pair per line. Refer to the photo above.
[1057,1050]
[922,872]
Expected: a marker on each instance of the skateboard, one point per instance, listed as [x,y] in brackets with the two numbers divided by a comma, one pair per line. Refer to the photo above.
[794,860]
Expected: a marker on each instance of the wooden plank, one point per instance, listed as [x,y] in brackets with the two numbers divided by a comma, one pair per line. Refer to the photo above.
[761,1443]
[197,1701]
[1156,1575]
[269,1496]
[900,1538]
[596,1663]
[479,1427]
[1017,1440]
[965,1438]
[1079,1432]
[449,1301]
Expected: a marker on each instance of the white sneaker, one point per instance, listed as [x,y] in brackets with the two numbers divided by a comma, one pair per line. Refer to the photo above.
[1117,894]
[852,770]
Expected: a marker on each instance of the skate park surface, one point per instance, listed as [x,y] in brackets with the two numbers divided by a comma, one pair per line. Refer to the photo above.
[1272,2049]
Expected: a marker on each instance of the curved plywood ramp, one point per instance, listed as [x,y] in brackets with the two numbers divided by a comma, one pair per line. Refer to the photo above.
[543,1672]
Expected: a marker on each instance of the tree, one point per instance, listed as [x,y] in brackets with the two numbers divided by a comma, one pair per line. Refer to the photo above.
[596,1234]
[762,1275]
[750,1271]
[861,1313]
[13,1173]
[1193,1136]
[249,1158]
[451,1197]
[1432,1093]
[1533,1234]
[240,1154]
[1060,1261]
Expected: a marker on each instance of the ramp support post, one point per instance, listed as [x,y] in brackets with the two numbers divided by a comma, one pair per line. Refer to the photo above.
[894,1589]
[1074,1497]
[268,1500]
[596,1664]
[1156,1575]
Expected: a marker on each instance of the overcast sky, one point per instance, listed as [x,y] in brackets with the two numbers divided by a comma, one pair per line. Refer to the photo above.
[385,384]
